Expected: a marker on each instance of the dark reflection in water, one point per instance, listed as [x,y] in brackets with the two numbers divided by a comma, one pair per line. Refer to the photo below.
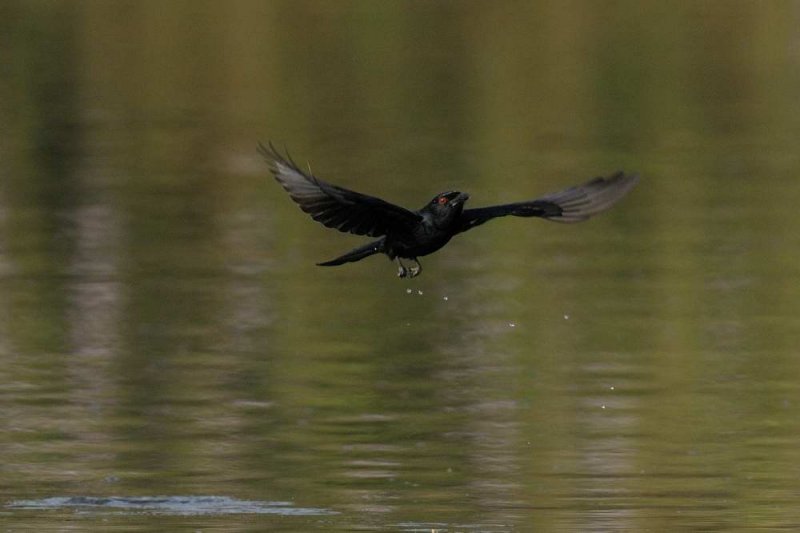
[164,331]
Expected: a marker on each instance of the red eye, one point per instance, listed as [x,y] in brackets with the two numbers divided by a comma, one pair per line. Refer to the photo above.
[442,200]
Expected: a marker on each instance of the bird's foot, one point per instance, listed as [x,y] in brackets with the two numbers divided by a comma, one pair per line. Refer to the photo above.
[408,272]
[415,270]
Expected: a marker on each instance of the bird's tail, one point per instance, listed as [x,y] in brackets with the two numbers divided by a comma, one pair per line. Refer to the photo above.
[356,254]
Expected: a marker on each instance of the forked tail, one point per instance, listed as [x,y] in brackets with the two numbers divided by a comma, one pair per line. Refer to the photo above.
[356,254]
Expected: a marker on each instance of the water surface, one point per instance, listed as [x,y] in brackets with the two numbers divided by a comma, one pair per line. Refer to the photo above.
[171,357]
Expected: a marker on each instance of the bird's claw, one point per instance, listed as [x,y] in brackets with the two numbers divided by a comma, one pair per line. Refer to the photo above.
[408,272]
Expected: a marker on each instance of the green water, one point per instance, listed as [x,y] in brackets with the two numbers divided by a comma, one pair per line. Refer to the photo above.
[171,358]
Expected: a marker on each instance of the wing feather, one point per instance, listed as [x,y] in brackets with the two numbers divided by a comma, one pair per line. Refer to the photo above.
[334,206]
[570,205]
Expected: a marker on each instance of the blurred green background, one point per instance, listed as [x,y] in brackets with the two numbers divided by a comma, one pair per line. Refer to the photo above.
[165,332]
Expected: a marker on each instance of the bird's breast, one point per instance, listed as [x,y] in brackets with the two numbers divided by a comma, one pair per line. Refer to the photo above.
[421,243]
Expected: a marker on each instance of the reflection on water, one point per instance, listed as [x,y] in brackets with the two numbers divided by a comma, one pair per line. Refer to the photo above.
[172,505]
[164,331]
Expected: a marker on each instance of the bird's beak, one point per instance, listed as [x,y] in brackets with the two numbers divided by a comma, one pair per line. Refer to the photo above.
[461,197]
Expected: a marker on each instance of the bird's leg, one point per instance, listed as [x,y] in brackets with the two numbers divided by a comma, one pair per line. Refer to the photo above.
[415,271]
[402,271]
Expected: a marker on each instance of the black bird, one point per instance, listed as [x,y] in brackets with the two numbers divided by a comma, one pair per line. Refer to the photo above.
[406,234]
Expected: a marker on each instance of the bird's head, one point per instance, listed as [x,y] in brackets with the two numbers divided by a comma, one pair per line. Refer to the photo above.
[446,206]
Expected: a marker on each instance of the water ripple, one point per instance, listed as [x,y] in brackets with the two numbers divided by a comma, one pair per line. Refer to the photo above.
[171,505]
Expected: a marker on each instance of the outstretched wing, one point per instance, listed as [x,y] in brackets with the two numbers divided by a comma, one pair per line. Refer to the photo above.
[570,205]
[337,207]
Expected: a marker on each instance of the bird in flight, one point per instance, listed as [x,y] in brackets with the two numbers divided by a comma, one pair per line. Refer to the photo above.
[408,234]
